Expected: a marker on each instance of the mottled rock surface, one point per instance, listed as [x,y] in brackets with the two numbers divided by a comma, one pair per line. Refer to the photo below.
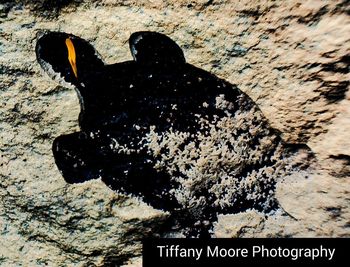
[291,57]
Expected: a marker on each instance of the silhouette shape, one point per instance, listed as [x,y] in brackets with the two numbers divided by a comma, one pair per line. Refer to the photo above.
[162,129]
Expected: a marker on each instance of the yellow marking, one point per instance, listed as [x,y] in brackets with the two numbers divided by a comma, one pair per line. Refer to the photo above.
[72,56]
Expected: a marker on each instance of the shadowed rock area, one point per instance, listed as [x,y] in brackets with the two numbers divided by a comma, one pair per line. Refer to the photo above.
[290,57]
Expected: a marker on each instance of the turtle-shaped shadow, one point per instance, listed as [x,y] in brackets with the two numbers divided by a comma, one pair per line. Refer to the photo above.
[162,129]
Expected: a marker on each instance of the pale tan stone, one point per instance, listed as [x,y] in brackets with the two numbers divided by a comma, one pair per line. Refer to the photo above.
[286,55]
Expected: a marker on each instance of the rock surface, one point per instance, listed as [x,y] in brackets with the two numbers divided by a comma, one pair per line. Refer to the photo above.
[291,57]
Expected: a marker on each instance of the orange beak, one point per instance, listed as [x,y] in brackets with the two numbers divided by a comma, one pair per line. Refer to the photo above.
[72,56]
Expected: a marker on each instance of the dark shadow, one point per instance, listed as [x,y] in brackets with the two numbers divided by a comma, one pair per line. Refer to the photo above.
[119,105]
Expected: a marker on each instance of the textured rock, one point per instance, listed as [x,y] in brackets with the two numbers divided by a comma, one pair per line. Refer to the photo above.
[291,57]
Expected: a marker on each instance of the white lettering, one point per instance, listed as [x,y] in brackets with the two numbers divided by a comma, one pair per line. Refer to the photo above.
[161,250]
[331,252]
[256,250]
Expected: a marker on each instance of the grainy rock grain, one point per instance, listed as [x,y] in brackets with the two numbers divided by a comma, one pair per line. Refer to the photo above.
[290,57]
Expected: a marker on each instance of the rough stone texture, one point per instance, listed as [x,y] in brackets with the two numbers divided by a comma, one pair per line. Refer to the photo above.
[291,57]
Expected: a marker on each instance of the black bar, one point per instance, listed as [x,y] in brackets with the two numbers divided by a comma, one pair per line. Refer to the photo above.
[246,252]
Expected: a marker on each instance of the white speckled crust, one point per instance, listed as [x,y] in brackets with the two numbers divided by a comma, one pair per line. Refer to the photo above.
[288,56]
[233,159]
